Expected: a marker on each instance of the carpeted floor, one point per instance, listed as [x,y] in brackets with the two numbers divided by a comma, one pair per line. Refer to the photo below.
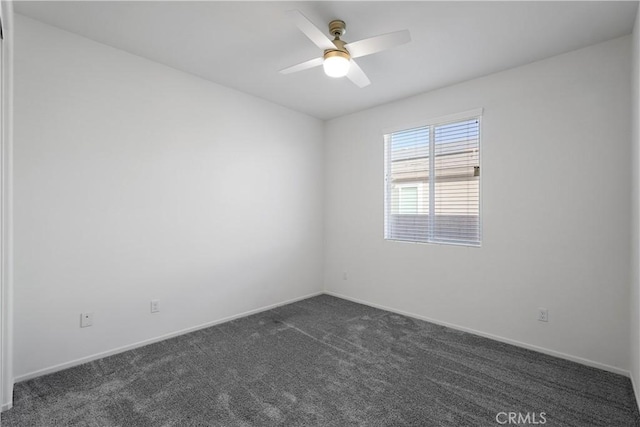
[326,362]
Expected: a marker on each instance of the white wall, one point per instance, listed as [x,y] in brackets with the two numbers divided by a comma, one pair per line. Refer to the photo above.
[135,181]
[556,182]
[6,261]
[634,299]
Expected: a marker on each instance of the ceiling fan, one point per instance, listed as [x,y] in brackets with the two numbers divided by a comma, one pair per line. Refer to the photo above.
[337,59]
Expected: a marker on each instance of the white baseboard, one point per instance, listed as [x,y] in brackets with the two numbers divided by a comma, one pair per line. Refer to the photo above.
[138,344]
[6,406]
[550,352]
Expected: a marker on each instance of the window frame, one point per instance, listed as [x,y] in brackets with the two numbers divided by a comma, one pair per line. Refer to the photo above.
[476,114]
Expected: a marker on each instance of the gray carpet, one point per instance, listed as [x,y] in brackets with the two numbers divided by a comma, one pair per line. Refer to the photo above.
[326,362]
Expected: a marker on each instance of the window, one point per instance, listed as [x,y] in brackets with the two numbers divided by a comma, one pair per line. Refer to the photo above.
[442,206]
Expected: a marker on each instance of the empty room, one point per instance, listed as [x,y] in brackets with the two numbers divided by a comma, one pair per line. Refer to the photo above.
[319,213]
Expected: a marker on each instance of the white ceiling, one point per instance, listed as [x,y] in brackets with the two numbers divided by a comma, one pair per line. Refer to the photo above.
[243,44]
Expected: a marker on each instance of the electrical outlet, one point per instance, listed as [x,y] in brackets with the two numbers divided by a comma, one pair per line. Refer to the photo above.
[155,305]
[86,320]
[543,314]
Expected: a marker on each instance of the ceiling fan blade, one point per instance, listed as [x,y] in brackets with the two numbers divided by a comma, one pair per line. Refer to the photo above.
[303,66]
[357,76]
[378,43]
[310,30]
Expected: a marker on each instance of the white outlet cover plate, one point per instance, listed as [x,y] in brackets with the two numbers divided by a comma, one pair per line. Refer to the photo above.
[543,314]
[86,320]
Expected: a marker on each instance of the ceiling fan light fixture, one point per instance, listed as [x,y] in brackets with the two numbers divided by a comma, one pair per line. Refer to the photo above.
[336,63]
[338,59]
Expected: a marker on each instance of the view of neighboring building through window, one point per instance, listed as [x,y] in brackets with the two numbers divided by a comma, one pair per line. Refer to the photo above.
[438,207]
[408,200]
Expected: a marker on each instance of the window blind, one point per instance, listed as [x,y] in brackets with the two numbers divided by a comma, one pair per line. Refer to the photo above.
[432,183]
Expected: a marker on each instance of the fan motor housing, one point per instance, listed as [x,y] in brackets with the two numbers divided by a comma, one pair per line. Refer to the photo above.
[340,50]
[341,53]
